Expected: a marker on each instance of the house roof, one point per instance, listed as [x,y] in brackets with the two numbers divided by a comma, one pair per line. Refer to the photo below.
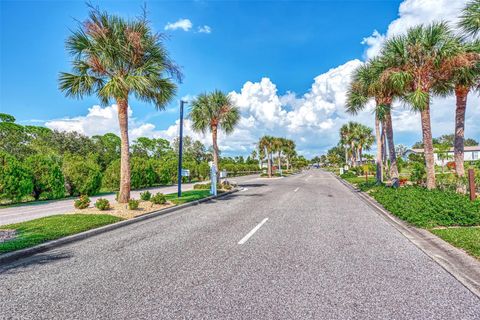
[469,148]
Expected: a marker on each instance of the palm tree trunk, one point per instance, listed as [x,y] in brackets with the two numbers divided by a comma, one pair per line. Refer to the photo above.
[428,146]
[354,164]
[124,193]
[461,94]
[360,155]
[280,161]
[391,150]
[288,163]
[215,150]
[269,164]
[378,160]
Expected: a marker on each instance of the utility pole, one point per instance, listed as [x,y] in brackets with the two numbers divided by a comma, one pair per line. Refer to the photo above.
[180,146]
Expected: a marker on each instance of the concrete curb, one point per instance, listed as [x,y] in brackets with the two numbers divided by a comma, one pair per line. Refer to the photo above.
[15,255]
[455,261]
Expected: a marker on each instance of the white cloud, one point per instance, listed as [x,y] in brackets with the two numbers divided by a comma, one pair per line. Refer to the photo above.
[204,29]
[415,12]
[184,24]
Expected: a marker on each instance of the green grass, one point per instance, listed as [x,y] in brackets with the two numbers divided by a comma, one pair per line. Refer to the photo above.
[188,196]
[33,232]
[467,238]
[361,179]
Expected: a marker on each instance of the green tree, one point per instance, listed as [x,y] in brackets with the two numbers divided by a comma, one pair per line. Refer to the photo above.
[415,64]
[115,58]
[47,177]
[266,145]
[470,18]
[148,148]
[15,179]
[108,148]
[214,111]
[82,175]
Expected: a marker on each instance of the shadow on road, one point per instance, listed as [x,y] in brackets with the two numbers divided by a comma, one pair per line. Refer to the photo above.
[252,185]
[38,259]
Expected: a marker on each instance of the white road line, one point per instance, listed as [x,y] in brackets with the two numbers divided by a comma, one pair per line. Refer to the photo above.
[296,189]
[244,189]
[244,239]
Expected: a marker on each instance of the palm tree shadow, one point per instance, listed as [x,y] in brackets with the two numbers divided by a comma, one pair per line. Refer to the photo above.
[35,260]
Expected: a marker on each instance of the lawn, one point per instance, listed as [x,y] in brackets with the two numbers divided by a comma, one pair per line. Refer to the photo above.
[467,238]
[188,196]
[33,232]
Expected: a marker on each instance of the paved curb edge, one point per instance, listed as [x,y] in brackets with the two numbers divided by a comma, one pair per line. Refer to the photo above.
[455,261]
[23,253]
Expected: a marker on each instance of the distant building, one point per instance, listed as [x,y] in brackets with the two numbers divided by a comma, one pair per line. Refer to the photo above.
[470,154]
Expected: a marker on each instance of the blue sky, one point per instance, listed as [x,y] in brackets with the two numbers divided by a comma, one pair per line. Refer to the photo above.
[287,42]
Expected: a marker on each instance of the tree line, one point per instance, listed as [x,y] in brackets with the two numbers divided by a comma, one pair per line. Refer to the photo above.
[39,163]
[427,60]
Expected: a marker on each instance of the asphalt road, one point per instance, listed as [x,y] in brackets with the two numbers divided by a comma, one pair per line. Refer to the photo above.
[303,247]
[40,209]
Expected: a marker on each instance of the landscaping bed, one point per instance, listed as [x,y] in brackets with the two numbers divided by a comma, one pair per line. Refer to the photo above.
[449,215]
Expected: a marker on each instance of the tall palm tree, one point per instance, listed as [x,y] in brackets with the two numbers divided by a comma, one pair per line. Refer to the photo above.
[289,151]
[279,145]
[364,139]
[415,62]
[114,58]
[214,111]
[470,18]
[460,77]
[367,84]
[266,145]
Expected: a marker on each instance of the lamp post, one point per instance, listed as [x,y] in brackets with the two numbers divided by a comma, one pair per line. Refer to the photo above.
[180,146]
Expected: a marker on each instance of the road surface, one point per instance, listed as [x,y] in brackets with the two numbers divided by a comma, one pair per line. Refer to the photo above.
[40,209]
[303,247]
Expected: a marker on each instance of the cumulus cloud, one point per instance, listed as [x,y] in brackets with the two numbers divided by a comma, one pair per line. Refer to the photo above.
[184,24]
[204,29]
[412,13]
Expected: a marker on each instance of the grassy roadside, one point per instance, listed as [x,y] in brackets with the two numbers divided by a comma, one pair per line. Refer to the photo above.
[37,231]
[450,216]
[33,232]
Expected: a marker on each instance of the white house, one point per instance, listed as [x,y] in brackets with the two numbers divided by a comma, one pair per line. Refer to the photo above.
[470,154]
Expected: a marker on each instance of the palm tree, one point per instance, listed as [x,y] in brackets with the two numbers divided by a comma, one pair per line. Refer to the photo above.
[114,58]
[415,63]
[364,139]
[279,145]
[214,111]
[368,84]
[347,139]
[461,76]
[470,18]
[289,151]
[266,146]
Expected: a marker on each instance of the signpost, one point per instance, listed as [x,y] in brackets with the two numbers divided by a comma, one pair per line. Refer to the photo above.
[213,180]
[471,184]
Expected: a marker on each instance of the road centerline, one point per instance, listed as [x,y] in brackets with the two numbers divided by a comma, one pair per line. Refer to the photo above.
[296,189]
[258,226]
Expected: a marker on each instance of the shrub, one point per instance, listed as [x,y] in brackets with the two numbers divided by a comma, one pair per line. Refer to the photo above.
[202,186]
[145,196]
[82,175]
[102,204]
[418,173]
[226,185]
[159,198]
[142,174]
[82,203]
[348,174]
[48,181]
[429,208]
[15,178]
[133,204]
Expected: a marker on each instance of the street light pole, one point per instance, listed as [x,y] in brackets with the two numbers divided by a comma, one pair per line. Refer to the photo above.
[180,146]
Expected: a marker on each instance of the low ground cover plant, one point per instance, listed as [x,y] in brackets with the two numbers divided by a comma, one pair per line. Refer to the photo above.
[145,196]
[427,208]
[133,204]
[82,203]
[158,198]
[467,238]
[102,204]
